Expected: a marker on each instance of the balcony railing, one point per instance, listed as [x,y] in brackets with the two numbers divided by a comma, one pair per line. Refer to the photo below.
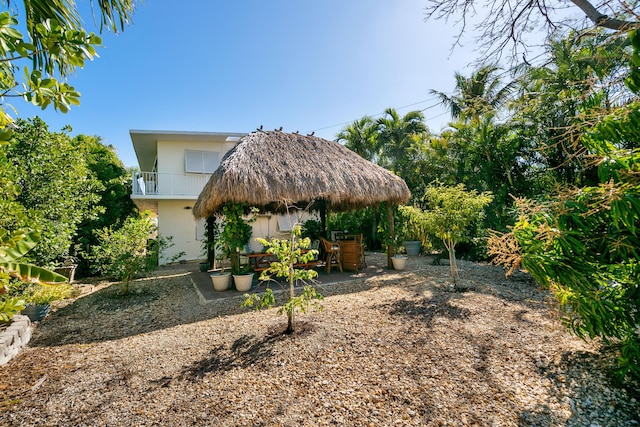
[168,184]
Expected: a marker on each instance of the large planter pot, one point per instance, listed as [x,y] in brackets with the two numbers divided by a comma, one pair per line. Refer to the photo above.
[243,281]
[67,271]
[399,262]
[412,247]
[221,281]
[36,313]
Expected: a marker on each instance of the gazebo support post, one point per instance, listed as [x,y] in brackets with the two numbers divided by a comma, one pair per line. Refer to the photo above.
[211,236]
[323,219]
[391,235]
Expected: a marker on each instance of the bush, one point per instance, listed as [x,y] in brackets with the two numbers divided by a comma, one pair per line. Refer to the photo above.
[123,253]
[33,293]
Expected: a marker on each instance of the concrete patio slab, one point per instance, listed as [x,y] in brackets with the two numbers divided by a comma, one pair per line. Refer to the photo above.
[376,267]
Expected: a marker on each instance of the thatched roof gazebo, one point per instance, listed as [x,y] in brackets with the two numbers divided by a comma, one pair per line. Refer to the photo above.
[273,169]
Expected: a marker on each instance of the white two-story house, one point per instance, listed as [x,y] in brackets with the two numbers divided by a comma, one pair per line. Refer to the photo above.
[174,167]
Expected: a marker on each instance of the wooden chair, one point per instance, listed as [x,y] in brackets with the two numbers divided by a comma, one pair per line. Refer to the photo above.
[331,254]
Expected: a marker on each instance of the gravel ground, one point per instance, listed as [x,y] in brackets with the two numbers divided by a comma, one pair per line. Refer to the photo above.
[404,350]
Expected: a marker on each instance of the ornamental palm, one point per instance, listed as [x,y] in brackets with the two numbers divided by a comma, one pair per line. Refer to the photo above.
[400,138]
[361,138]
[476,96]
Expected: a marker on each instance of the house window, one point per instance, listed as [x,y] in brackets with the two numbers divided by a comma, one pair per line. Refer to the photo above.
[200,230]
[201,161]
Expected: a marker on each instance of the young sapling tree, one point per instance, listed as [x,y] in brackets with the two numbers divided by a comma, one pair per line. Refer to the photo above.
[289,253]
[449,215]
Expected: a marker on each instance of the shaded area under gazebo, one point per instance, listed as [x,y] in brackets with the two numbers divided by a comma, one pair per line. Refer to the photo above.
[376,268]
[273,170]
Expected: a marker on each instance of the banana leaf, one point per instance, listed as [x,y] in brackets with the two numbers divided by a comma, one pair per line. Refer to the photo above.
[14,246]
[31,273]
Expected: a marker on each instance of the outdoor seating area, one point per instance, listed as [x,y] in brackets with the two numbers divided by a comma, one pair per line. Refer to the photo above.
[376,266]
[261,261]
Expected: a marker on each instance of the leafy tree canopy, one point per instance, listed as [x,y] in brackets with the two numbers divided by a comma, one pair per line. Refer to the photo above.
[35,65]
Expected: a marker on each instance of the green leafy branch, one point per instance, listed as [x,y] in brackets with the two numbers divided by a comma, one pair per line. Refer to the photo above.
[289,253]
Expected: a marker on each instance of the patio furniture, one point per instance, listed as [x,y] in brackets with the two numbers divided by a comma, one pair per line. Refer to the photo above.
[331,254]
[262,261]
[352,252]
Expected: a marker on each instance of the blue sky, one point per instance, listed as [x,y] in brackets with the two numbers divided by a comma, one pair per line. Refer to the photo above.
[231,66]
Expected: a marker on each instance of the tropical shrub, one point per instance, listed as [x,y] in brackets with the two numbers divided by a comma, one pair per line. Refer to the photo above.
[123,253]
[312,229]
[413,225]
[13,247]
[366,221]
[235,231]
[34,293]
[584,243]
[55,186]
[450,213]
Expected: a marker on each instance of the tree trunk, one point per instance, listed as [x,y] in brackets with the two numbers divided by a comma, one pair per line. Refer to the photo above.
[453,266]
[211,236]
[235,261]
[391,235]
[600,19]
[323,219]
[292,294]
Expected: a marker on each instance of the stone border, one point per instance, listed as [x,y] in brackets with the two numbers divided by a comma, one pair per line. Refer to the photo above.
[14,338]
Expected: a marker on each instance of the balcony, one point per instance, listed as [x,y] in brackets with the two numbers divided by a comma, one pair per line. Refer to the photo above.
[166,185]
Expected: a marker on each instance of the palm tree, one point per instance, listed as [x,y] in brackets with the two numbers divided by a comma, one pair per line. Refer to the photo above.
[400,138]
[361,138]
[478,95]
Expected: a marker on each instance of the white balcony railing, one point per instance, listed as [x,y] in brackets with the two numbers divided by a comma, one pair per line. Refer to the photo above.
[168,184]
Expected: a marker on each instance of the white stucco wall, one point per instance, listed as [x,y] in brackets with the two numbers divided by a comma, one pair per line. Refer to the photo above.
[173,219]
[266,225]
[176,221]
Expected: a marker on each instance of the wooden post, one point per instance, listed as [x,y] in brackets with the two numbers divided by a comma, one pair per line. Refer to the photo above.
[391,234]
[211,236]
[323,218]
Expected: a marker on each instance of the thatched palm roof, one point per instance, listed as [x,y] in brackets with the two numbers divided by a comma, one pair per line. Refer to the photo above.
[269,169]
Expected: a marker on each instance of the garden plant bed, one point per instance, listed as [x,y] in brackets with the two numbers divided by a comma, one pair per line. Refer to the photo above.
[403,349]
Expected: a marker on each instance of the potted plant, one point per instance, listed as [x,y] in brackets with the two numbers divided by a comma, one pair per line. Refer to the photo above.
[68,268]
[38,298]
[221,280]
[414,229]
[399,258]
[243,279]
[235,233]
